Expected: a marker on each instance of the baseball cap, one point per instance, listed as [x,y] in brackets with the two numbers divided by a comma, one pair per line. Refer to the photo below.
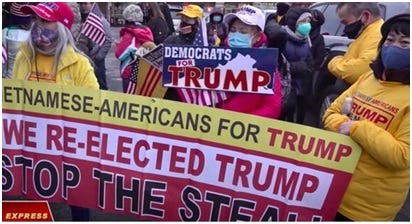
[249,15]
[191,11]
[51,11]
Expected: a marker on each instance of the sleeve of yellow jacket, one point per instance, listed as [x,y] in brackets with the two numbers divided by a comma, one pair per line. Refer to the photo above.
[83,74]
[333,117]
[360,54]
[390,150]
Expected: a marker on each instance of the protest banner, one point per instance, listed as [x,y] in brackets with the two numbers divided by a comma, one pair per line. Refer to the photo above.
[164,160]
[217,68]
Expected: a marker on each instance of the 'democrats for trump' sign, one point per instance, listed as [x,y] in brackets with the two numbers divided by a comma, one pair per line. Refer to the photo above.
[162,160]
[215,68]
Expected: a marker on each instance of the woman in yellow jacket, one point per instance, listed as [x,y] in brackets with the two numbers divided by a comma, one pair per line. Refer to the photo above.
[379,122]
[50,55]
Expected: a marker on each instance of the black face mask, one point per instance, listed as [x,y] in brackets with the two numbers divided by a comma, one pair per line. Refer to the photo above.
[352,30]
[186,34]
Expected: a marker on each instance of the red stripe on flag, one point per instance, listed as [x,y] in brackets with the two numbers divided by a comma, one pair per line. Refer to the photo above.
[143,90]
[152,82]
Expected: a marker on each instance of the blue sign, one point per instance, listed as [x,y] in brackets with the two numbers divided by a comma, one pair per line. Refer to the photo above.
[216,68]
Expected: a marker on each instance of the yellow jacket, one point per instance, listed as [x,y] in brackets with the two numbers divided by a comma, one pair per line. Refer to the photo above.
[74,68]
[360,54]
[380,182]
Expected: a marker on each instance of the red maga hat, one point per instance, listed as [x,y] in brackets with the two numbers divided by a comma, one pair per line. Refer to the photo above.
[51,11]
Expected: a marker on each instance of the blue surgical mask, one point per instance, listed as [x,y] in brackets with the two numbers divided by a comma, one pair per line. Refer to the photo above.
[217,18]
[237,39]
[304,29]
[394,57]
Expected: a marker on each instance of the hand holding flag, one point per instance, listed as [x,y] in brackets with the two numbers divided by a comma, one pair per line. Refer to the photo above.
[92,28]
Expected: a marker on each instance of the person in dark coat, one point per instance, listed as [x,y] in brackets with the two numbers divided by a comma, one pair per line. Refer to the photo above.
[318,43]
[217,30]
[279,17]
[190,18]
[298,54]
[164,7]
[155,20]
[95,51]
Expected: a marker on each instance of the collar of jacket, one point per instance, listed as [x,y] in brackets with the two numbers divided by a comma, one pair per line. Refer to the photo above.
[67,57]
[392,75]
[373,27]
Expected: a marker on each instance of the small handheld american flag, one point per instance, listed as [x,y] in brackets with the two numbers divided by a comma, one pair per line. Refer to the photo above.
[93,26]
[4,54]
[132,86]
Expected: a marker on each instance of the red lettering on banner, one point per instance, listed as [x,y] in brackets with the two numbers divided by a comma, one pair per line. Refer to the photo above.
[160,147]
[309,185]
[192,75]
[242,170]
[303,144]
[224,161]
[21,132]
[257,177]
[142,144]
[175,74]
[286,184]
[260,79]
[175,158]
[92,142]
[208,78]
[61,138]
[196,157]
[231,79]
[185,63]
[368,114]
[249,175]
[96,145]
[121,149]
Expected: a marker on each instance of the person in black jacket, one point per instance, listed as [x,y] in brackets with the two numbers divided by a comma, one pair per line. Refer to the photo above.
[318,54]
[190,18]
[316,38]
[164,7]
[281,10]
[155,20]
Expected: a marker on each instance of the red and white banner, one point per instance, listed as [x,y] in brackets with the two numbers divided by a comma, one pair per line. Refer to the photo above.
[161,160]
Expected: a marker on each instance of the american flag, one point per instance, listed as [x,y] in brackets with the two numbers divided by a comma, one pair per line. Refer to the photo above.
[93,26]
[132,86]
[15,9]
[200,96]
[4,54]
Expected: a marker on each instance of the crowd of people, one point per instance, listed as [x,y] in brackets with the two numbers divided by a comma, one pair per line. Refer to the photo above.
[44,41]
